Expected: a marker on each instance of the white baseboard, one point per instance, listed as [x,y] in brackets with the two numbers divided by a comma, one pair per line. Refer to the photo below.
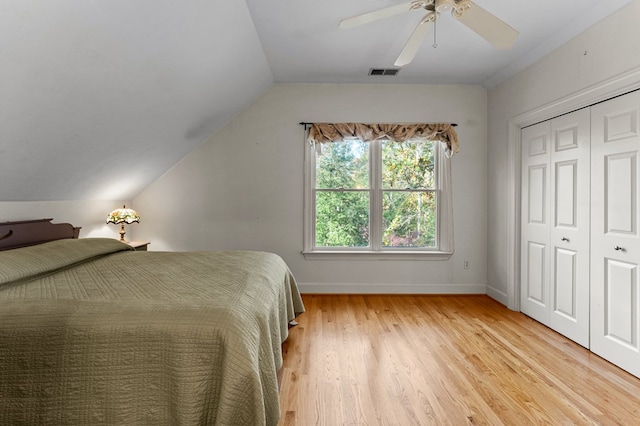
[352,288]
[498,295]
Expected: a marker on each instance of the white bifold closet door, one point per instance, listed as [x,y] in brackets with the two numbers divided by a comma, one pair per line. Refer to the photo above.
[615,252]
[555,224]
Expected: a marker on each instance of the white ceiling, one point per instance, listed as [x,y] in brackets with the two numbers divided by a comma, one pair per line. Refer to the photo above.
[100,98]
[304,44]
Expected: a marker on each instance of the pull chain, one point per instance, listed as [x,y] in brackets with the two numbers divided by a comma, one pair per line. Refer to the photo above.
[435,21]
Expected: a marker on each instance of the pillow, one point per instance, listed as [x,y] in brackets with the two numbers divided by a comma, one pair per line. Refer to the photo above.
[27,263]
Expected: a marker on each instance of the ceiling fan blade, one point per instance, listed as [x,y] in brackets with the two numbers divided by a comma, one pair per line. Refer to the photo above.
[485,24]
[376,15]
[415,40]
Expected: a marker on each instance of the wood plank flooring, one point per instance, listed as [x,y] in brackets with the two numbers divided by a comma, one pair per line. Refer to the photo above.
[442,360]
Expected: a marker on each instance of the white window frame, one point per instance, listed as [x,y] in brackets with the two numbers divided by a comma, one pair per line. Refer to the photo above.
[444,215]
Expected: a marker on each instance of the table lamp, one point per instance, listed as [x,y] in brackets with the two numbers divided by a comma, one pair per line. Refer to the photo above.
[122,216]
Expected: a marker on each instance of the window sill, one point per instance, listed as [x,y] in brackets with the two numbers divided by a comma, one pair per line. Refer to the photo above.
[377,255]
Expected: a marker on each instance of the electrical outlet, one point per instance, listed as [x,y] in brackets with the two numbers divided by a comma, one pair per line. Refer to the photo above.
[466,264]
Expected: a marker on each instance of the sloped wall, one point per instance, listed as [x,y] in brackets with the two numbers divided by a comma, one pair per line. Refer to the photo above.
[243,189]
[99,99]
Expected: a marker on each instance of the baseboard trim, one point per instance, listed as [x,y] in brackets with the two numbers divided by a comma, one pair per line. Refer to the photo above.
[498,295]
[352,288]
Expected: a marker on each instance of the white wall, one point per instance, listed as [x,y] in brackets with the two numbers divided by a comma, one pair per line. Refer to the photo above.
[575,70]
[91,215]
[243,189]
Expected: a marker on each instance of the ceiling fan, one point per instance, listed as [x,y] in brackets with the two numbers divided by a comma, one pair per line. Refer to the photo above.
[479,20]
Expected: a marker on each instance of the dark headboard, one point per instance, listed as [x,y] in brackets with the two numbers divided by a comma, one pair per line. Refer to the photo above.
[31,232]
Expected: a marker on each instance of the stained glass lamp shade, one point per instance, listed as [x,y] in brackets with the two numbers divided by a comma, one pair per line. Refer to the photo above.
[122,216]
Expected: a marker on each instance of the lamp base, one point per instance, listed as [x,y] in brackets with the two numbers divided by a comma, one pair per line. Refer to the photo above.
[122,232]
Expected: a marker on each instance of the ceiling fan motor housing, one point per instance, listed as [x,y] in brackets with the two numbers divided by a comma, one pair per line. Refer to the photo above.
[444,5]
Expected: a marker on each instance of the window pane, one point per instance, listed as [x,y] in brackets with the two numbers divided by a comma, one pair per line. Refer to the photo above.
[409,219]
[343,165]
[342,219]
[408,165]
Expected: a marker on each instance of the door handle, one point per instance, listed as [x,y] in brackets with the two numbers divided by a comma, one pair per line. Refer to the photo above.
[564,239]
[618,248]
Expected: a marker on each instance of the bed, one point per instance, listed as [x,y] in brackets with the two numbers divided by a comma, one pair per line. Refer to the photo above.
[93,332]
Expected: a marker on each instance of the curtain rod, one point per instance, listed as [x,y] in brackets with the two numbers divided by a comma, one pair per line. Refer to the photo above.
[305,124]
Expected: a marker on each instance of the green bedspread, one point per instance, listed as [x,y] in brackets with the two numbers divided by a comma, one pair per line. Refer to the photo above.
[92,333]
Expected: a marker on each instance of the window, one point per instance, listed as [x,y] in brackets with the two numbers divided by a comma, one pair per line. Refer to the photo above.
[378,199]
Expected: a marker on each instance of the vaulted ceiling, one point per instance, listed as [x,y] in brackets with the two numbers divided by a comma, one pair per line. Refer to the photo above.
[100,98]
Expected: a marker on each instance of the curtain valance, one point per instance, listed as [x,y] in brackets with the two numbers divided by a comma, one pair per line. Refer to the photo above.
[337,132]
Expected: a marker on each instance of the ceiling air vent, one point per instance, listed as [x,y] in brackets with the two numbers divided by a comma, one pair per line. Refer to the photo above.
[384,71]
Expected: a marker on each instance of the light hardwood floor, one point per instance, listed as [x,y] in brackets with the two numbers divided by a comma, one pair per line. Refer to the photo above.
[431,360]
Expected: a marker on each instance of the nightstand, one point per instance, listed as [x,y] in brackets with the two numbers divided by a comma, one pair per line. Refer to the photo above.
[139,245]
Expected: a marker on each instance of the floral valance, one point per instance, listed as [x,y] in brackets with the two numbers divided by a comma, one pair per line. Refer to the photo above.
[336,132]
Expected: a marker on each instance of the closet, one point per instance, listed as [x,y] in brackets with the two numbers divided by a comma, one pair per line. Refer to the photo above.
[580,243]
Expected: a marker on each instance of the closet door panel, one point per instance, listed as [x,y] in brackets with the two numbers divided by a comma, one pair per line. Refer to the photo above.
[615,299]
[621,304]
[534,274]
[620,180]
[565,291]
[536,259]
[569,228]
